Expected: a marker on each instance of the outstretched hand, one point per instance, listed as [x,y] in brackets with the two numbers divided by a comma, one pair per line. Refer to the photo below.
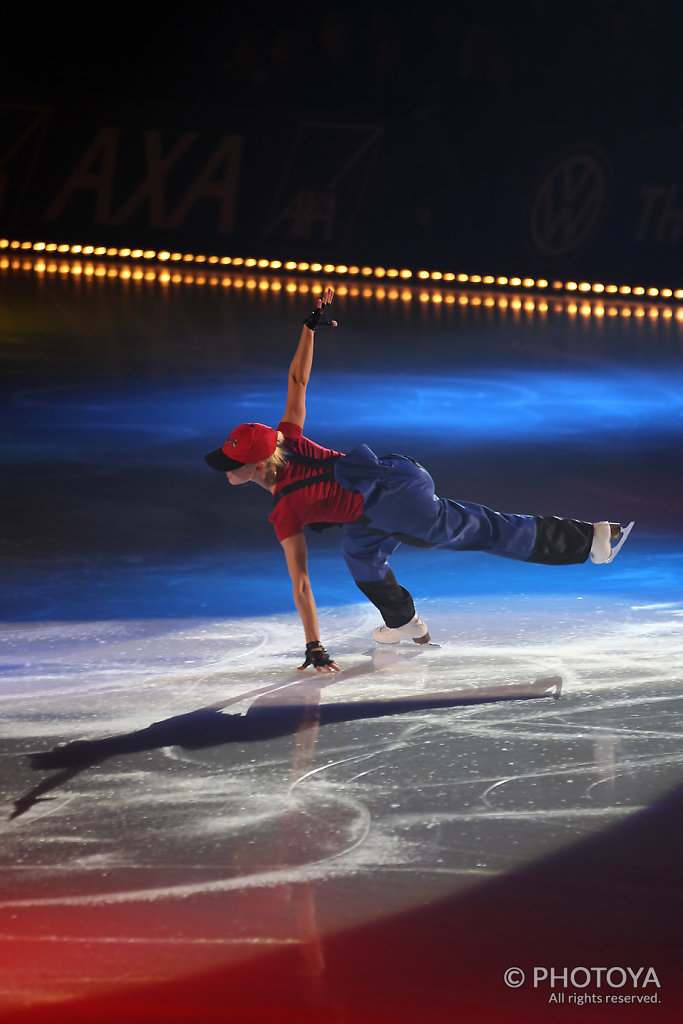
[318,317]
[317,656]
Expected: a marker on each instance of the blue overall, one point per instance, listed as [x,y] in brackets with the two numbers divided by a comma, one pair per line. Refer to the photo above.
[401,506]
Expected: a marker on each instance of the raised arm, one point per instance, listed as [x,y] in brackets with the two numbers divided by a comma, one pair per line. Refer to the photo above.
[297,564]
[300,367]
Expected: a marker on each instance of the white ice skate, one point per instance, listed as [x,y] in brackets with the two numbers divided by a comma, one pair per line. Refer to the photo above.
[605,547]
[414,630]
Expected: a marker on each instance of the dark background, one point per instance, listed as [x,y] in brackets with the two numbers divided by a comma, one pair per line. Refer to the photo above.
[487,137]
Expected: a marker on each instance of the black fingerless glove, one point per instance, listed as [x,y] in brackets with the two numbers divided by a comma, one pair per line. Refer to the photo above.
[316,655]
[317,318]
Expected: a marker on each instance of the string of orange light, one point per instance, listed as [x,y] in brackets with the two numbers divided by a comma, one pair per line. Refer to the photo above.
[517,293]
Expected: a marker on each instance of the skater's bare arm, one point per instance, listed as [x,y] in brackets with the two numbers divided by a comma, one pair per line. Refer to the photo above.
[300,368]
[297,564]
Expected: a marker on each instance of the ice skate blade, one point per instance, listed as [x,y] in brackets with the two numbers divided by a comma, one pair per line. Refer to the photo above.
[622,540]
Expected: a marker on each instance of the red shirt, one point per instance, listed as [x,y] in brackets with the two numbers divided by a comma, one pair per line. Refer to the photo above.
[322,502]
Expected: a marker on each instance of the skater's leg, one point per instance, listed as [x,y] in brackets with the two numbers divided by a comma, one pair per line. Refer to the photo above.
[570,541]
[429,521]
[466,526]
[393,601]
[561,541]
[366,553]
[406,506]
[396,607]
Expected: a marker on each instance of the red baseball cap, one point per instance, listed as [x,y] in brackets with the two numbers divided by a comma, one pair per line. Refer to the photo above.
[250,442]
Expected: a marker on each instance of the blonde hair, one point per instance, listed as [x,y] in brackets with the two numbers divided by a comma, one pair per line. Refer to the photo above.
[277,460]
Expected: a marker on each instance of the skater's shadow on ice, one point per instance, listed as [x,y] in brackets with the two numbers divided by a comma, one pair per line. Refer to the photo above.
[273,715]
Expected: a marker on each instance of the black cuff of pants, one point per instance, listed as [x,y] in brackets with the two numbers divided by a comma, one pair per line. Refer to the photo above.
[393,601]
[561,541]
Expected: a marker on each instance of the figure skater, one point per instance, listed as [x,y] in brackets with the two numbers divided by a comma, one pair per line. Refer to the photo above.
[380,502]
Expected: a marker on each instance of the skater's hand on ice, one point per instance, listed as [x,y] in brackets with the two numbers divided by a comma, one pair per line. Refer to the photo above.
[318,317]
[317,656]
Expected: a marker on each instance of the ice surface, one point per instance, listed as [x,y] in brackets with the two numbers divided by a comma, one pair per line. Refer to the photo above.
[196,739]
[175,794]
